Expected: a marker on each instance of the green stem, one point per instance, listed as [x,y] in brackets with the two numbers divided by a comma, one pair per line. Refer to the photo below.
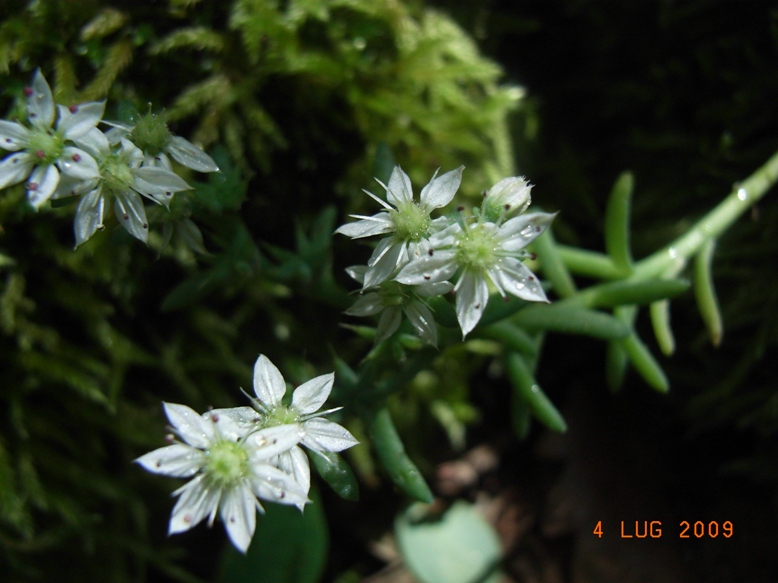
[742,197]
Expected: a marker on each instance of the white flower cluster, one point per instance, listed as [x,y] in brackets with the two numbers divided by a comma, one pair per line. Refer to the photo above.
[73,157]
[237,456]
[421,254]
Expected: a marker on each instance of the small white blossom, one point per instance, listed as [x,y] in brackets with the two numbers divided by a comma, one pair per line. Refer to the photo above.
[42,152]
[482,252]
[407,221]
[318,434]
[392,299]
[230,469]
[151,135]
[121,179]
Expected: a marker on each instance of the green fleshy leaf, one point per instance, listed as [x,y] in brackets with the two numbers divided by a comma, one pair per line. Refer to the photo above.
[617,222]
[705,293]
[618,293]
[527,389]
[398,465]
[570,320]
[337,473]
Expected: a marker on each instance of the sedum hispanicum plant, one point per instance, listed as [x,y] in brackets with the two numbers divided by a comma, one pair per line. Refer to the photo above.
[238,455]
[76,159]
[422,253]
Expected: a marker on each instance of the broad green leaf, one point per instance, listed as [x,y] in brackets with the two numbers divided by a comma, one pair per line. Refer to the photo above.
[459,547]
[289,546]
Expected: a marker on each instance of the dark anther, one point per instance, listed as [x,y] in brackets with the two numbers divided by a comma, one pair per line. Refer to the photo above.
[427,277]
[28,91]
[73,109]
[430,252]
[507,207]
[32,186]
[169,193]
[40,154]
[531,278]
[145,226]
[533,256]
[537,229]
[478,306]
[76,157]
[460,208]
[126,217]
[215,417]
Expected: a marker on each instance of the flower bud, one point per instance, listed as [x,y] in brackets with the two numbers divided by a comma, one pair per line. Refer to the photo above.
[509,197]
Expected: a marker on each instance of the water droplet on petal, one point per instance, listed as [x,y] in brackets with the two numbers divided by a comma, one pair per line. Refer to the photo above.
[526,231]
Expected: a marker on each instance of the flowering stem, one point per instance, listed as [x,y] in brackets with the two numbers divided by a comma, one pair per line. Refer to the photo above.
[675,254]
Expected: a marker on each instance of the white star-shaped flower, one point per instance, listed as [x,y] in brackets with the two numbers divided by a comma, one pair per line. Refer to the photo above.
[482,252]
[230,470]
[151,135]
[406,220]
[392,300]
[42,152]
[318,434]
[122,180]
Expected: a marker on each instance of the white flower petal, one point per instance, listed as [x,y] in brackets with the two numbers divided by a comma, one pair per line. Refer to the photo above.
[441,266]
[117,132]
[367,305]
[423,321]
[15,168]
[324,435]
[75,121]
[77,164]
[40,105]
[295,463]
[441,190]
[311,395]
[388,323]
[41,185]
[89,215]
[269,483]
[246,418]
[94,142]
[520,231]
[196,501]
[399,189]
[378,224]
[178,461]
[131,153]
[238,511]
[357,272]
[516,278]
[273,441]
[131,213]
[429,290]
[190,425]
[187,154]
[269,385]
[13,136]
[157,183]
[383,268]
[472,296]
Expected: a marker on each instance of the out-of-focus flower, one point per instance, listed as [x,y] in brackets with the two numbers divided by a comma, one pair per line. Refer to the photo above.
[152,136]
[43,151]
[392,299]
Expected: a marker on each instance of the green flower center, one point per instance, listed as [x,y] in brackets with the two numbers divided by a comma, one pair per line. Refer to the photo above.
[281,415]
[226,463]
[116,174]
[411,222]
[392,293]
[477,248]
[150,134]
[45,145]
